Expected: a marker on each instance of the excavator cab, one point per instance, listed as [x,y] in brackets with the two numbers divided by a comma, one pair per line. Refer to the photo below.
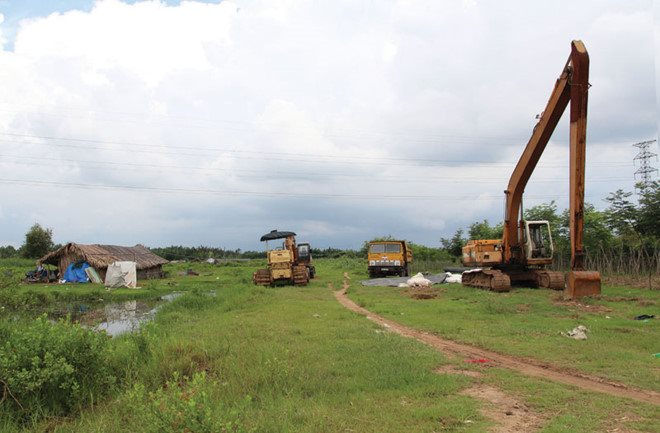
[537,241]
[305,258]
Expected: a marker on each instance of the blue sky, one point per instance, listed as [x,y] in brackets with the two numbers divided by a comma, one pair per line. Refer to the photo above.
[214,122]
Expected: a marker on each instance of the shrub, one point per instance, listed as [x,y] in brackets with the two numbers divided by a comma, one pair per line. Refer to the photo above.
[180,406]
[52,368]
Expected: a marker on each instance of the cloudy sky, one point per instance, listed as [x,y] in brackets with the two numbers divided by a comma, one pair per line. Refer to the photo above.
[206,122]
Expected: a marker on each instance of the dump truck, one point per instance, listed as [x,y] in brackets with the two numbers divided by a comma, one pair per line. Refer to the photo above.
[285,264]
[389,258]
[526,250]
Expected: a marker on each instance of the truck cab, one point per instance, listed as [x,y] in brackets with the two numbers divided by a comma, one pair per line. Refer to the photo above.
[389,258]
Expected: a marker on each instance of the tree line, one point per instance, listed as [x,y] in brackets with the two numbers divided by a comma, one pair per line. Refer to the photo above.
[624,237]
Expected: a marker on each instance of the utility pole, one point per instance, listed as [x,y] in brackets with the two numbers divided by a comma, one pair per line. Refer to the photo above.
[646,171]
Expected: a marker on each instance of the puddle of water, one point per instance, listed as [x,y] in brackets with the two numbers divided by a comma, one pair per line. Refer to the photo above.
[128,316]
[125,317]
[170,296]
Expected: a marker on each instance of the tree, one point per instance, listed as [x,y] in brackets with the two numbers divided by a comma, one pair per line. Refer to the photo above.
[454,245]
[365,245]
[648,216]
[483,230]
[424,253]
[38,242]
[621,215]
[7,252]
[597,232]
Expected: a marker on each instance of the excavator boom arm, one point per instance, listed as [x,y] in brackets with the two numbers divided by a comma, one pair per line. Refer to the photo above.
[571,86]
[579,93]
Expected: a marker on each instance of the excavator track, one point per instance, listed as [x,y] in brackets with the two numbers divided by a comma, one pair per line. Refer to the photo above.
[489,279]
[300,275]
[550,279]
[261,277]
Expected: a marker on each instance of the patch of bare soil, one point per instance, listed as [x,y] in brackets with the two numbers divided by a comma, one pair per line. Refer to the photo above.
[508,414]
[422,292]
[618,424]
[345,285]
[527,367]
[646,302]
[582,307]
[642,302]
[621,298]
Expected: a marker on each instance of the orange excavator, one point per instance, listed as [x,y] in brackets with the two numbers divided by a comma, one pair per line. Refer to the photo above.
[526,249]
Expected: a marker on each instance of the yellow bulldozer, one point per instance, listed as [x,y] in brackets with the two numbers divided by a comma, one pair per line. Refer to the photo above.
[290,264]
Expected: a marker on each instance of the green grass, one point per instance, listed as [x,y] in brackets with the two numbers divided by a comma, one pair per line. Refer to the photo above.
[529,322]
[35,299]
[293,359]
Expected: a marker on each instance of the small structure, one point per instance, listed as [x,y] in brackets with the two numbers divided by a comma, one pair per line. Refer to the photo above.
[148,264]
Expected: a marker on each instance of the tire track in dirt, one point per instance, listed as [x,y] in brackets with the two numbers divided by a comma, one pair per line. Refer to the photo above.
[523,366]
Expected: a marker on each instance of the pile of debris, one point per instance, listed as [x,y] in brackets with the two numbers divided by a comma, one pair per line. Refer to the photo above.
[420,287]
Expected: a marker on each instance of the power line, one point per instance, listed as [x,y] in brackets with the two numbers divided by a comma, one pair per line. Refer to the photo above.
[30,182]
[85,164]
[389,161]
[225,149]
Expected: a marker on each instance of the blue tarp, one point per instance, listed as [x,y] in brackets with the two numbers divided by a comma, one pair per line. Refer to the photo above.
[75,273]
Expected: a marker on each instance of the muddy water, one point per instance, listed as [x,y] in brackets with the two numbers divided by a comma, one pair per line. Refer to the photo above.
[127,316]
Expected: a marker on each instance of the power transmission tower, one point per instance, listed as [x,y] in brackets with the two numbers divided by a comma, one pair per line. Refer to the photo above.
[646,171]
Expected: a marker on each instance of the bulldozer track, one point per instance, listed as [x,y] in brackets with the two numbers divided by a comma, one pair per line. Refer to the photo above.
[489,279]
[526,367]
[300,275]
[550,280]
[261,277]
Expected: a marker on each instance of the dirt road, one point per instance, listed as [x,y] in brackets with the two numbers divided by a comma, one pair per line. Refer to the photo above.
[523,366]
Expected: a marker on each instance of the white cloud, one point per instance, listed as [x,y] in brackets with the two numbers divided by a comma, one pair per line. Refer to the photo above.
[253,97]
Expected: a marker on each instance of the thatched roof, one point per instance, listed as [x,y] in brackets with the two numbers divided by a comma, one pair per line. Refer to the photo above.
[100,256]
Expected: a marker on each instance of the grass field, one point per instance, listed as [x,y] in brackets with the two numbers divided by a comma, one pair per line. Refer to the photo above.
[529,322]
[293,359]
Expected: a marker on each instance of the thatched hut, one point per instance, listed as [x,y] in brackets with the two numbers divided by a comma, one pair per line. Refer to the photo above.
[148,264]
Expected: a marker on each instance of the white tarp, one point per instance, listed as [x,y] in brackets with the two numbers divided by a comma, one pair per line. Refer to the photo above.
[121,274]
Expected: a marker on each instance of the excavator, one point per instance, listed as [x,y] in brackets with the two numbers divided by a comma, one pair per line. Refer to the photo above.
[525,251]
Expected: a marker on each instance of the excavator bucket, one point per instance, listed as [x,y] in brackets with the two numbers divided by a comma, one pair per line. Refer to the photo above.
[582,283]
